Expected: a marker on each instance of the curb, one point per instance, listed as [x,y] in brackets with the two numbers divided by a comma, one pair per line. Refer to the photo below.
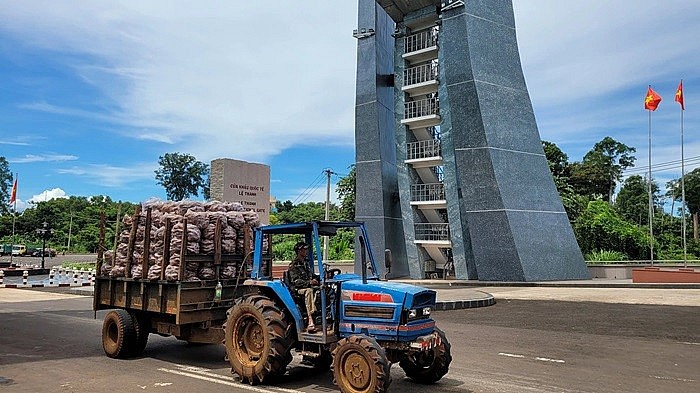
[66,285]
[464,304]
[477,284]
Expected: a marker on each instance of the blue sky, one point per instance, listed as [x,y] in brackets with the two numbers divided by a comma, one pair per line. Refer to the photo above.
[92,93]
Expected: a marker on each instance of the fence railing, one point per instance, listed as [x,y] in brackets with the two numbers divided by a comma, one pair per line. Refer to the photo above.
[424,107]
[432,232]
[420,40]
[420,74]
[423,149]
[427,192]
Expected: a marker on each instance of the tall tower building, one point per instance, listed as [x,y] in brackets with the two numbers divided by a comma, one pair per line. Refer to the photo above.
[451,172]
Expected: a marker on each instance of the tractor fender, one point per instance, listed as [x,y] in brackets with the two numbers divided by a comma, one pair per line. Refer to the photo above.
[281,293]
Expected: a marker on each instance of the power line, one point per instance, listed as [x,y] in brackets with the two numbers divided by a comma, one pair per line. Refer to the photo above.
[310,189]
[663,166]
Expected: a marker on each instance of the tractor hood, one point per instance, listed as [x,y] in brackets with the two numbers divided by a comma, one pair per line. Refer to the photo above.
[410,296]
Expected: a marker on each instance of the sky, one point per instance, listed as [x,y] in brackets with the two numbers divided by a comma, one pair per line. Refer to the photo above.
[93,92]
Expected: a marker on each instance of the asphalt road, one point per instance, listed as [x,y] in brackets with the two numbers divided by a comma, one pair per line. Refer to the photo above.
[50,262]
[513,346]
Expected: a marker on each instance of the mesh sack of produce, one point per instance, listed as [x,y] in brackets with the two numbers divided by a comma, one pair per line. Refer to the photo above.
[228,271]
[184,206]
[235,219]
[136,271]
[214,206]
[197,218]
[172,272]
[117,271]
[206,272]
[154,272]
[191,275]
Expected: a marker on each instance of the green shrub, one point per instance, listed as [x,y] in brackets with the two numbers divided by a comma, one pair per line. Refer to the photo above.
[600,227]
[79,265]
[605,256]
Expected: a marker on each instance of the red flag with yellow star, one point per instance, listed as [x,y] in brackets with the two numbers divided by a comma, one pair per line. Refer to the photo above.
[651,101]
[13,195]
[679,95]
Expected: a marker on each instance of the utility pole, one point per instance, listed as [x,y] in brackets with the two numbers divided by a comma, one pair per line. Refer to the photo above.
[70,230]
[328,173]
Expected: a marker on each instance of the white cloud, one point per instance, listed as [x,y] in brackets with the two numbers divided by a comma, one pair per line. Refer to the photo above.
[43,158]
[113,176]
[46,195]
[220,80]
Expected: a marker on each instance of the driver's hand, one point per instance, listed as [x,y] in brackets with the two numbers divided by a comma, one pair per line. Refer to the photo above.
[314,281]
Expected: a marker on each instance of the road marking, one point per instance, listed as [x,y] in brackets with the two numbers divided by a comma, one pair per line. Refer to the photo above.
[672,379]
[206,375]
[688,343]
[549,360]
[511,355]
[19,355]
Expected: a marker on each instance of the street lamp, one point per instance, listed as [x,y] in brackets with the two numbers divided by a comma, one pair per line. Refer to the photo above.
[42,232]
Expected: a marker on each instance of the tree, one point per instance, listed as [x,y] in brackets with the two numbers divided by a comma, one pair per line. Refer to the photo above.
[602,168]
[5,185]
[558,160]
[182,175]
[633,199]
[692,196]
[346,192]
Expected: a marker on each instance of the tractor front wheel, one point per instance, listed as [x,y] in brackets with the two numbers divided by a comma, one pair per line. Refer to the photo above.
[428,367]
[256,339]
[360,366]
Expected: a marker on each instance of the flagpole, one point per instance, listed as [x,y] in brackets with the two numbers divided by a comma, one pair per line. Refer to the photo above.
[651,205]
[685,249]
[14,217]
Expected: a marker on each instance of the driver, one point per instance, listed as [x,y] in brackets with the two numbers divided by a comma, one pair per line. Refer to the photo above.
[303,282]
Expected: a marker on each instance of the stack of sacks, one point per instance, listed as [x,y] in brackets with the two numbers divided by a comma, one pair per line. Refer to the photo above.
[200,231]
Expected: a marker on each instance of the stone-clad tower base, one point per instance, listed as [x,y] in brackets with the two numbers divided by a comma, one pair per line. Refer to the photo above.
[474,185]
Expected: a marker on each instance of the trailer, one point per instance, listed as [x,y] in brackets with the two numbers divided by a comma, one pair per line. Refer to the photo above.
[190,311]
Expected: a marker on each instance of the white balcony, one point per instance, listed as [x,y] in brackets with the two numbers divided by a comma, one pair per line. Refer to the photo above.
[421,46]
[422,113]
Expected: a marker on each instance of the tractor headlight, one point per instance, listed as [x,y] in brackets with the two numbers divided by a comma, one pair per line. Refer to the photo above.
[426,311]
[412,313]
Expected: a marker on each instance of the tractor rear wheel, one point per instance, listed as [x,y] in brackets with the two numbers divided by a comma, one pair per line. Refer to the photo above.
[256,339]
[428,367]
[118,334]
[360,366]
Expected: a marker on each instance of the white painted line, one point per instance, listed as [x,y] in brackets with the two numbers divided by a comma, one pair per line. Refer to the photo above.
[206,375]
[549,360]
[215,380]
[672,379]
[511,355]
[688,343]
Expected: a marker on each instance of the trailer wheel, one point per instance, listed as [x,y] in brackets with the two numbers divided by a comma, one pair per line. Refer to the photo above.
[141,329]
[256,339]
[360,366]
[428,367]
[118,334]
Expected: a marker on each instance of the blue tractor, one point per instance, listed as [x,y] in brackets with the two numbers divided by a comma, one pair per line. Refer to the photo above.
[366,323]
